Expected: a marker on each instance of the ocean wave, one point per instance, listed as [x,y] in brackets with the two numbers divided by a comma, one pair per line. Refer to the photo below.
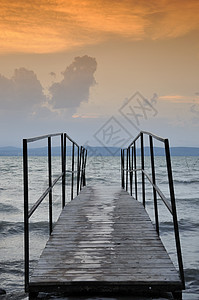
[184,225]
[97,179]
[13,267]
[188,203]
[188,200]
[8,208]
[10,228]
[16,228]
[192,280]
[39,227]
[180,181]
[12,279]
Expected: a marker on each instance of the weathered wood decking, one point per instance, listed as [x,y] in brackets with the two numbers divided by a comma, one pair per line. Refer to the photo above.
[104,241]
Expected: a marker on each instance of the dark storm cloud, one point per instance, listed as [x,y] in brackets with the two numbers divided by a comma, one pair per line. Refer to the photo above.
[75,86]
[22,92]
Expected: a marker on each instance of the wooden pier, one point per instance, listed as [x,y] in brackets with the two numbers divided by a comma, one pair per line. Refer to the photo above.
[104,241]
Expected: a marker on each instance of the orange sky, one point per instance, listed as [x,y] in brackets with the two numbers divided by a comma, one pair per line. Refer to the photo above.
[52,26]
[146,46]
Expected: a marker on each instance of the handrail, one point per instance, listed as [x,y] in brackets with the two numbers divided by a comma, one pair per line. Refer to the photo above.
[162,196]
[131,168]
[155,136]
[164,199]
[78,168]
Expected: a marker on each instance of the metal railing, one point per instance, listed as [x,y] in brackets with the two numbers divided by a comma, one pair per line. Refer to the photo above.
[81,157]
[129,169]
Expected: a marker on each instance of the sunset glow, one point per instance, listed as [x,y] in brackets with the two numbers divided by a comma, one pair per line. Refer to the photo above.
[73,65]
[179,99]
[55,26]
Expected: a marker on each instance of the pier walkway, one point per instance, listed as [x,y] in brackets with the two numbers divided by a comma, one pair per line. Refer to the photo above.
[104,241]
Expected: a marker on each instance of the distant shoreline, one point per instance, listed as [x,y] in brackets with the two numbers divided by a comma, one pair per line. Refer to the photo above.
[99,151]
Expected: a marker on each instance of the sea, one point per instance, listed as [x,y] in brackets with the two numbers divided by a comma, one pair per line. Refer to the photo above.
[100,171]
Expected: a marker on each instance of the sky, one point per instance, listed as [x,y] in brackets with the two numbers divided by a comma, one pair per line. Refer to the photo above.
[100,71]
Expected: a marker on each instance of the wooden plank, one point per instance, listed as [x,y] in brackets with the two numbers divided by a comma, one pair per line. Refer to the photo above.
[103,238]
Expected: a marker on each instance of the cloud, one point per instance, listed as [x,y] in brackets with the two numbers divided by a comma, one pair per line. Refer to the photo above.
[85,116]
[22,92]
[172,18]
[195,109]
[179,99]
[172,97]
[54,26]
[53,74]
[76,84]
[154,98]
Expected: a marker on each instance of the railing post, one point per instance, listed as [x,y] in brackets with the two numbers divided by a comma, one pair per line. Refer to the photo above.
[84,171]
[50,185]
[154,182]
[142,166]
[130,171]
[127,156]
[78,167]
[63,158]
[174,212]
[72,180]
[135,166]
[64,172]
[26,219]
[122,167]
